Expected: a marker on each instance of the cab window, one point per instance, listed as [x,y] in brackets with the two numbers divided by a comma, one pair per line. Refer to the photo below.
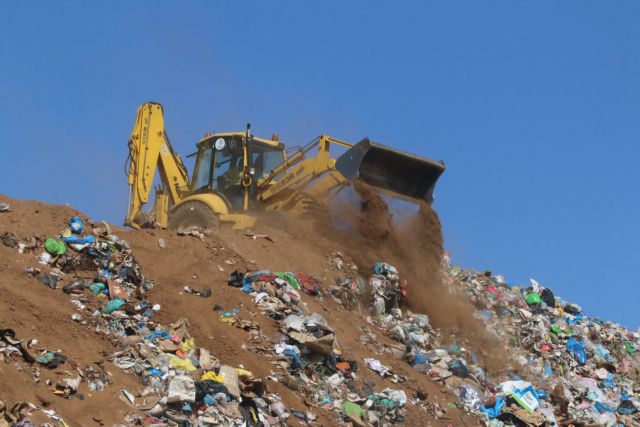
[264,160]
[202,170]
[228,168]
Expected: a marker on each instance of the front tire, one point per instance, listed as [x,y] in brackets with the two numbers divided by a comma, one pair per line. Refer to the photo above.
[193,213]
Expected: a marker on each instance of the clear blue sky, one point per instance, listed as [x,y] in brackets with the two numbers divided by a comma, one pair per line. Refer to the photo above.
[534,106]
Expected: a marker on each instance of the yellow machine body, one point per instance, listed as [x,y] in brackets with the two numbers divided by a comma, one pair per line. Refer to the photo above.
[236,174]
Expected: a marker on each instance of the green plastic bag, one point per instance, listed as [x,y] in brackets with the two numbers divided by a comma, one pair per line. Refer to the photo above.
[54,246]
[97,287]
[556,330]
[352,409]
[112,306]
[533,298]
[630,349]
[289,277]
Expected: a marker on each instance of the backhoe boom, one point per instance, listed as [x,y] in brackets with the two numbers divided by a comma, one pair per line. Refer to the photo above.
[149,148]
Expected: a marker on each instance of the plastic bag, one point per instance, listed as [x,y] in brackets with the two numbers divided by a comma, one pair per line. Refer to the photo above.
[533,298]
[470,396]
[54,246]
[183,364]
[459,368]
[495,410]
[181,389]
[112,306]
[76,225]
[76,240]
[397,396]
[378,306]
[212,376]
[576,348]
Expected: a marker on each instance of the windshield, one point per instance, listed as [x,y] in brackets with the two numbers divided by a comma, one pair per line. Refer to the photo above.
[228,168]
[220,169]
[265,159]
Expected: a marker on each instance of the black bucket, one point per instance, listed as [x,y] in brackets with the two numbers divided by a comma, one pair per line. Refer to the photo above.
[394,171]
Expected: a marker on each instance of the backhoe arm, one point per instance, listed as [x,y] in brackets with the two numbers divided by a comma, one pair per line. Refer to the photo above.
[149,148]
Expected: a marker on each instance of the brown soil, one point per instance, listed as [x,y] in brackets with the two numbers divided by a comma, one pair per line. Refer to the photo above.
[35,311]
[415,247]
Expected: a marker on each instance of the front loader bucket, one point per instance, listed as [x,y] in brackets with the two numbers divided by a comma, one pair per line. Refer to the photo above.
[390,170]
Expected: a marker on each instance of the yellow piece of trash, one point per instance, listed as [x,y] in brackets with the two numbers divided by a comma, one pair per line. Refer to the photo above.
[212,376]
[188,345]
[176,363]
[243,372]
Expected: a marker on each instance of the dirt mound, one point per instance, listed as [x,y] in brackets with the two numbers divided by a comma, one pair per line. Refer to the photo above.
[36,311]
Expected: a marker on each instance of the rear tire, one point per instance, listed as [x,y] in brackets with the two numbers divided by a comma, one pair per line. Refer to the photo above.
[193,213]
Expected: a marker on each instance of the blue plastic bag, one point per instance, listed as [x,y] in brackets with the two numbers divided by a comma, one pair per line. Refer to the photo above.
[576,348]
[575,319]
[609,381]
[75,240]
[420,359]
[603,353]
[76,224]
[602,408]
[246,286]
[295,359]
[384,269]
[495,410]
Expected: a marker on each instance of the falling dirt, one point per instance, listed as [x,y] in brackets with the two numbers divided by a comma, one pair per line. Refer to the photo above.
[415,247]
[414,244]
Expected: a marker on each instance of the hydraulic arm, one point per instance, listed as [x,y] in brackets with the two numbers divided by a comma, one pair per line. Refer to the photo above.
[298,168]
[149,149]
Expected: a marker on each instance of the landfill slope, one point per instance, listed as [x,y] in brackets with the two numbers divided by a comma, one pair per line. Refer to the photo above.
[36,311]
[290,324]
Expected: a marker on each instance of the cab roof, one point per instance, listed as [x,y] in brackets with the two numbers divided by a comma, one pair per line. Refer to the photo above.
[274,144]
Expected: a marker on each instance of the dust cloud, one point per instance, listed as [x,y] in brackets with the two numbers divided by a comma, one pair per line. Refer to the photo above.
[370,232]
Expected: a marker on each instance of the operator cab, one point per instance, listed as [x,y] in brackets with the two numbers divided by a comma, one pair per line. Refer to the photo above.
[220,162]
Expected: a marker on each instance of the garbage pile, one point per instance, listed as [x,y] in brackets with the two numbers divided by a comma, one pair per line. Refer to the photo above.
[308,354]
[581,370]
[567,368]
[420,345]
[20,413]
[184,383]
[13,350]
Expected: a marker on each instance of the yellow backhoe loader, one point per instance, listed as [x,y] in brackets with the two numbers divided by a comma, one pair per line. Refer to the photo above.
[237,174]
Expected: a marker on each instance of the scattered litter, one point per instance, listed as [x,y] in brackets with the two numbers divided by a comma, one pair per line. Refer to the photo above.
[204,293]
[255,236]
[192,231]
